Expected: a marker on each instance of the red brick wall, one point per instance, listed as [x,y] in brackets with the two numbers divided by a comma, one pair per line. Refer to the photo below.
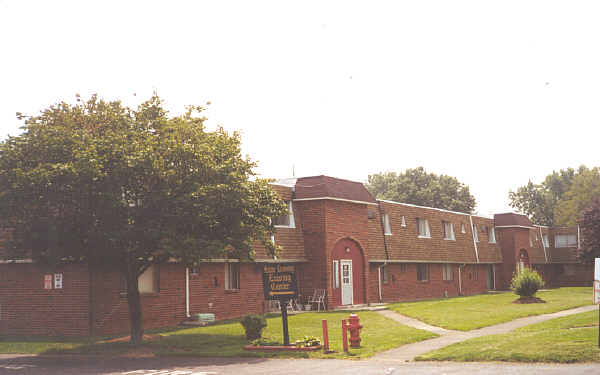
[29,309]
[314,273]
[208,294]
[162,309]
[404,286]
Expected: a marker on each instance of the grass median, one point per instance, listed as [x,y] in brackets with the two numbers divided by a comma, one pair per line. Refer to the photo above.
[467,313]
[568,339]
[227,339]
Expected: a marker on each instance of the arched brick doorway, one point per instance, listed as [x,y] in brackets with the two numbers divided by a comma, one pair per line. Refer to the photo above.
[523,259]
[348,273]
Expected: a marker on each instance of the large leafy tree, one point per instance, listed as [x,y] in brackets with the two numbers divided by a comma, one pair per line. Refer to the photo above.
[416,186]
[541,201]
[590,232]
[102,183]
[584,188]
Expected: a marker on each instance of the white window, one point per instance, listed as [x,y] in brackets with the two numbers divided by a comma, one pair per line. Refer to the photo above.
[447,272]
[448,229]
[287,220]
[148,281]
[492,235]
[545,240]
[475,235]
[232,276]
[58,281]
[462,228]
[386,224]
[565,240]
[530,242]
[336,274]
[423,226]
[403,224]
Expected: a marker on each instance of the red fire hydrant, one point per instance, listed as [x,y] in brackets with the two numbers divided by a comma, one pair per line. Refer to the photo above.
[354,328]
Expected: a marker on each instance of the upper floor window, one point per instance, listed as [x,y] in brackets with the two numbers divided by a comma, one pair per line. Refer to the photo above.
[386,224]
[286,220]
[403,222]
[545,240]
[475,235]
[565,240]
[530,242]
[492,235]
[462,228]
[423,227]
[448,229]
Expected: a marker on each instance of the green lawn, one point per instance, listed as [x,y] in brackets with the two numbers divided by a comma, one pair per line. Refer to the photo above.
[467,313]
[227,339]
[568,339]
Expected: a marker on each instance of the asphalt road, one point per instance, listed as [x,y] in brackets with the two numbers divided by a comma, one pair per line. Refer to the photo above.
[22,365]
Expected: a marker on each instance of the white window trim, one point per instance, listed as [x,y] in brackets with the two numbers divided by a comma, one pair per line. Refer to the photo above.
[452,236]
[336,274]
[427,229]
[227,278]
[492,237]
[291,215]
[462,228]
[387,229]
[403,225]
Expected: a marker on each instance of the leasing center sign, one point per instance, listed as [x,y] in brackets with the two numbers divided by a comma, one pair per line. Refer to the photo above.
[279,281]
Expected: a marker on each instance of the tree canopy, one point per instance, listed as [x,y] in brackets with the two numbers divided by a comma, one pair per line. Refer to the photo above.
[590,232]
[560,198]
[102,183]
[416,186]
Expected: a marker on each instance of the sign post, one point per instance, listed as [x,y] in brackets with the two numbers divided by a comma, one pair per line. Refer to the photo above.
[597,291]
[279,282]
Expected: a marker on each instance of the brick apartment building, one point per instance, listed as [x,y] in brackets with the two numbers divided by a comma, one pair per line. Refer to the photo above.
[361,250]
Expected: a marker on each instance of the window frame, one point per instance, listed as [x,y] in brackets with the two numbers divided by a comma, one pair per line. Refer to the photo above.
[403,222]
[290,216]
[426,227]
[566,244]
[447,272]
[385,277]
[387,229]
[232,269]
[154,269]
[422,268]
[452,237]
[545,240]
[475,233]
[492,235]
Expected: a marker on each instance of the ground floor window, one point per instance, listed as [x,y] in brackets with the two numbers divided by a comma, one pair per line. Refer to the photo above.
[402,267]
[384,274]
[232,276]
[447,272]
[422,272]
[149,280]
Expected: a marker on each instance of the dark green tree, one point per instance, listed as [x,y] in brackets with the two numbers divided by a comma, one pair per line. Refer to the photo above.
[540,201]
[102,183]
[590,232]
[416,186]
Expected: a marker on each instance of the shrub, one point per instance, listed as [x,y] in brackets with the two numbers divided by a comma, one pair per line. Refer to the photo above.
[253,325]
[526,283]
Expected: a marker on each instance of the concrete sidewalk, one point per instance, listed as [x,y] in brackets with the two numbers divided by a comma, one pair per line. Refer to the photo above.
[448,337]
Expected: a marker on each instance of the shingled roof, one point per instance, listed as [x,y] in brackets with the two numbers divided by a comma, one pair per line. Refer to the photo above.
[512,219]
[330,187]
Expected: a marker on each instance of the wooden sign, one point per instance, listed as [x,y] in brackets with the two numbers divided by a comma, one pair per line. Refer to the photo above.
[279,281]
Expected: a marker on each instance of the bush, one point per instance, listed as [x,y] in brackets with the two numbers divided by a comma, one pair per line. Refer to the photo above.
[253,325]
[526,283]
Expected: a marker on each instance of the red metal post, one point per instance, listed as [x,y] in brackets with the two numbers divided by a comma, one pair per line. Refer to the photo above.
[325,336]
[344,335]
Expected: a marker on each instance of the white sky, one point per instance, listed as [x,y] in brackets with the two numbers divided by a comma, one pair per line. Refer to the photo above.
[491,92]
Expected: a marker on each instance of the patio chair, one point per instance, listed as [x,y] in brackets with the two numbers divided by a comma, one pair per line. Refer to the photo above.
[318,298]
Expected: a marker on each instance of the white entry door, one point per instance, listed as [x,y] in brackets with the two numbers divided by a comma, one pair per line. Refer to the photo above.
[347,289]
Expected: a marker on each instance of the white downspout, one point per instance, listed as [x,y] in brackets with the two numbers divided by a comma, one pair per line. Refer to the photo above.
[187,292]
[379,281]
[473,229]
[578,238]
[543,244]
[459,280]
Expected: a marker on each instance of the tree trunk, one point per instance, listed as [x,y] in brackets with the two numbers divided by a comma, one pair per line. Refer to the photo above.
[135,307]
